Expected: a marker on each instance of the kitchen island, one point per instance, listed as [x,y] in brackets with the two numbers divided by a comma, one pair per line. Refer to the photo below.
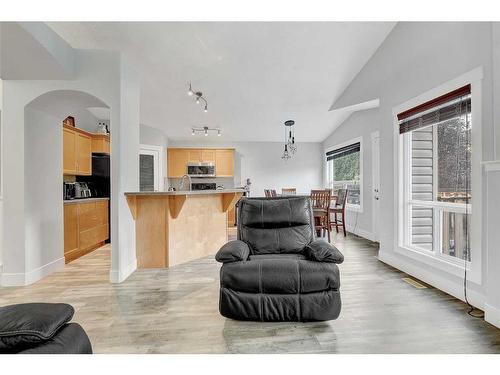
[175,227]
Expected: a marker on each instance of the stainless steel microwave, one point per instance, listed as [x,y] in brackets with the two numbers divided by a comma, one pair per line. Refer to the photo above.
[206,169]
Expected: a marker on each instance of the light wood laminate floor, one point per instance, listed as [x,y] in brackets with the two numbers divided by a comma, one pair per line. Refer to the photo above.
[176,311]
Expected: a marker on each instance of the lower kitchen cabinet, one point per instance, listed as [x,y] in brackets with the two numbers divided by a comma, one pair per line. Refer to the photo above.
[86,227]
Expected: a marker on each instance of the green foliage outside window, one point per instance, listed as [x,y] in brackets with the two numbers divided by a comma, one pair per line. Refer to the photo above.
[346,168]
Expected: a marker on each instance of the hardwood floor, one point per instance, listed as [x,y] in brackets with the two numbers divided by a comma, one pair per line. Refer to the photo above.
[176,311]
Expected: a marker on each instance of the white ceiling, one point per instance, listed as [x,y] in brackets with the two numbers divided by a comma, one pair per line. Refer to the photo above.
[255,75]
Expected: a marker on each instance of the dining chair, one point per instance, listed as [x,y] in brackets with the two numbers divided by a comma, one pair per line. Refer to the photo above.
[321,207]
[288,191]
[270,193]
[338,208]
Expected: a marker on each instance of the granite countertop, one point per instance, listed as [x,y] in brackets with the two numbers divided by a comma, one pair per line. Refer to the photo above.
[186,192]
[84,200]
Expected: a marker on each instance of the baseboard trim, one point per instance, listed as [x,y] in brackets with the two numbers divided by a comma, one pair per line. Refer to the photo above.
[118,276]
[456,290]
[22,279]
[492,315]
[360,232]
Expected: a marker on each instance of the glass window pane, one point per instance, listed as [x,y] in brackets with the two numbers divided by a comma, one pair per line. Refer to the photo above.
[455,241]
[454,160]
[346,168]
[353,193]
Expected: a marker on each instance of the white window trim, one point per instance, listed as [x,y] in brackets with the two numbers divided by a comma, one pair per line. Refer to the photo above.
[349,207]
[161,156]
[474,274]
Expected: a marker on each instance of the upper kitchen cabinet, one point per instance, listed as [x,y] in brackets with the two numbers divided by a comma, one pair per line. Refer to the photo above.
[77,152]
[207,155]
[69,152]
[83,154]
[177,160]
[194,155]
[101,144]
[224,163]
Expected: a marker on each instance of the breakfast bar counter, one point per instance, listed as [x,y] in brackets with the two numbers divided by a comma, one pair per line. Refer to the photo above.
[175,227]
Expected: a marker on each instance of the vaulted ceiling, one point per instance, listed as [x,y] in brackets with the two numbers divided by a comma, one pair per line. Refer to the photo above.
[255,75]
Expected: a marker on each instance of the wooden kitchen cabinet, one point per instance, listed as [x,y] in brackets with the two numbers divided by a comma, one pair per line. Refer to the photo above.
[177,162]
[194,155]
[83,154]
[178,159]
[69,152]
[77,152]
[70,228]
[86,227]
[224,163]
[207,155]
[101,144]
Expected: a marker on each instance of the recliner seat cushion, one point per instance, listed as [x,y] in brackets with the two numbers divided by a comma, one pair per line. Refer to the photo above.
[282,274]
[27,324]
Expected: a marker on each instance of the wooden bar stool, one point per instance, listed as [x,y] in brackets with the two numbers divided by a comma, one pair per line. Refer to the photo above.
[339,208]
[321,208]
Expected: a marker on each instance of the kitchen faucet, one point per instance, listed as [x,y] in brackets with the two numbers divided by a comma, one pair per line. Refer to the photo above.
[182,181]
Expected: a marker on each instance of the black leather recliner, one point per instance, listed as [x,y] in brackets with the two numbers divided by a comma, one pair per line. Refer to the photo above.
[41,328]
[276,270]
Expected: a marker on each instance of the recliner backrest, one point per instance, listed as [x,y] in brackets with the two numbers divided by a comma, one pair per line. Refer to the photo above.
[275,225]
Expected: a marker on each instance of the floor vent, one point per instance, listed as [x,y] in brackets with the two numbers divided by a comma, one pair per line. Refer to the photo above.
[414,283]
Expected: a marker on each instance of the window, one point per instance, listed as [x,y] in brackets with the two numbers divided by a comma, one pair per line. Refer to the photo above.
[147,172]
[150,168]
[436,142]
[343,171]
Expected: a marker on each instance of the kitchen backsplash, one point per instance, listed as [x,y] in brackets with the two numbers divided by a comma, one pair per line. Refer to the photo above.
[228,182]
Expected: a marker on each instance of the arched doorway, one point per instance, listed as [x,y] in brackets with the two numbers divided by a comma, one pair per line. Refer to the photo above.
[60,230]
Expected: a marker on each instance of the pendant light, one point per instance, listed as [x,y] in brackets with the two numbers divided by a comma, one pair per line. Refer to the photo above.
[290,146]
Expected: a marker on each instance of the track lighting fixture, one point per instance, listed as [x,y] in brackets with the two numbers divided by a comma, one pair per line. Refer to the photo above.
[198,97]
[205,130]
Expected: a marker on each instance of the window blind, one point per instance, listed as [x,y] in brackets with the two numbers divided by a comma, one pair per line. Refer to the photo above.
[446,107]
[146,173]
[343,151]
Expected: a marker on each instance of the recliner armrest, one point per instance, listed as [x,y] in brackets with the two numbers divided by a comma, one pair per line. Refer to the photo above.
[233,251]
[322,251]
[30,324]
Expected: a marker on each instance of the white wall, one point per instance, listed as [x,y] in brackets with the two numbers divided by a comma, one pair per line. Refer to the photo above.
[85,120]
[103,75]
[152,136]
[415,58]
[262,163]
[360,124]
[44,239]
[1,177]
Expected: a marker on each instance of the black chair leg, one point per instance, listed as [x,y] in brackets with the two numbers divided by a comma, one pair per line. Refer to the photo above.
[343,223]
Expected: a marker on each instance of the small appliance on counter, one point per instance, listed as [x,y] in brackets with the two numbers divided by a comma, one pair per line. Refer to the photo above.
[203,186]
[68,190]
[82,190]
